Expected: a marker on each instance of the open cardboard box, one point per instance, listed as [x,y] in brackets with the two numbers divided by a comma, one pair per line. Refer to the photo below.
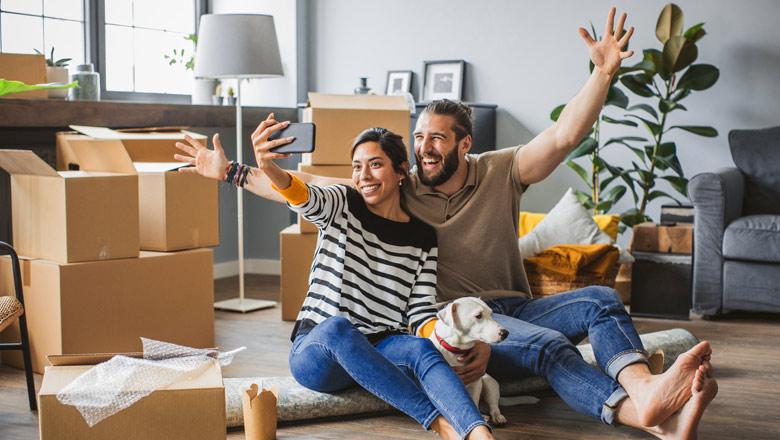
[192,407]
[297,254]
[27,68]
[73,216]
[176,211]
[341,118]
[107,306]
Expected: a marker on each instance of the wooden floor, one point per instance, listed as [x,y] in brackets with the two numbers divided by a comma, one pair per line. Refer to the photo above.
[746,359]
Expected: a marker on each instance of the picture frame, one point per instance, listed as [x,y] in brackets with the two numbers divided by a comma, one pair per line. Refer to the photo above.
[443,80]
[398,82]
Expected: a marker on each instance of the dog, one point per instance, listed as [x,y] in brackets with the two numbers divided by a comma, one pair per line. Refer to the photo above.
[461,323]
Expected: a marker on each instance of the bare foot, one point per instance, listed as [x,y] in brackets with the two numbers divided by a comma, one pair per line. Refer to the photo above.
[658,397]
[441,426]
[684,424]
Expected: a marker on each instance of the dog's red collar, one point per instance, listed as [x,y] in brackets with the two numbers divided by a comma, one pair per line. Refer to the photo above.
[449,347]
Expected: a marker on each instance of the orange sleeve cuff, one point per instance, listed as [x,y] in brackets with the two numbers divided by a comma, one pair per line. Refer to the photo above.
[426,330]
[297,193]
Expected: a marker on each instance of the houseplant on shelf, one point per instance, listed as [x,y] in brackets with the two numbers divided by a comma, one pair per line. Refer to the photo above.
[655,78]
[202,88]
[56,72]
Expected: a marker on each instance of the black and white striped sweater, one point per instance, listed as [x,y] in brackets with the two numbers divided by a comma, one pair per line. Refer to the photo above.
[378,273]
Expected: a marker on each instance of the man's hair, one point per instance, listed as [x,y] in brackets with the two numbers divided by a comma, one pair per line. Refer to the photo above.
[461,116]
[391,143]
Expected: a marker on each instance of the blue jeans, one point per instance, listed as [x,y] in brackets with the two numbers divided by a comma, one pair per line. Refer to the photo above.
[543,333]
[403,370]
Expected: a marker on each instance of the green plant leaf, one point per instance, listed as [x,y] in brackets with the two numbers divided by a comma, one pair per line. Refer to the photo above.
[623,140]
[605,182]
[656,194]
[556,113]
[699,77]
[632,217]
[695,33]
[680,94]
[585,199]
[646,107]
[646,177]
[8,87]
[580,171]
[636,86]
[679,53]
[645,65]
[614,194]
[701,130]
[670,23]
[616,97]
[586,146]
[606,118]
[654,57]
[654,128]
[666,105]
[680,184]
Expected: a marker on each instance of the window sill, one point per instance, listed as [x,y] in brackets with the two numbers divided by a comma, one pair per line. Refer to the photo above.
[19,113]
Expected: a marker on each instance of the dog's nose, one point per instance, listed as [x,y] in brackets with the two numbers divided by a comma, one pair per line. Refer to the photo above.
[503,333]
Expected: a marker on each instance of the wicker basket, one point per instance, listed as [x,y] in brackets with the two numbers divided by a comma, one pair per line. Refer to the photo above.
[544,285]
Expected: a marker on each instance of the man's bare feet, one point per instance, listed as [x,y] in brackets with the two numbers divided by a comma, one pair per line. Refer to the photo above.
[684,424]
[441,426]
[656,398]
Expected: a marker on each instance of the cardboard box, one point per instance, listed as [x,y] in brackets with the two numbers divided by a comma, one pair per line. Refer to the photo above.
[667,239]
[106,306]
[341,171]
[192,407]
[176,211]
[297,254]
[341,118]
[73,216]
[29,69]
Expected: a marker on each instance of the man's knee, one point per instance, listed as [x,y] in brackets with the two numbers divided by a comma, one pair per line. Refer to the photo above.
[606,297]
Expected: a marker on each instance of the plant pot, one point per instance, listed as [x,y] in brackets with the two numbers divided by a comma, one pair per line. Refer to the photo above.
[202,90]
[216,100]
[231,100]
[57,75]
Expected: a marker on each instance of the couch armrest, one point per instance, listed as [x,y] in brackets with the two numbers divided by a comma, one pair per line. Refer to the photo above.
[717,201]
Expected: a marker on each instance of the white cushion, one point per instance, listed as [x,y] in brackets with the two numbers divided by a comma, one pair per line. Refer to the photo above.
[568,222]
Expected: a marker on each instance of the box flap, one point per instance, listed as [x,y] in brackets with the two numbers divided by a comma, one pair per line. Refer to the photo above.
[135,133]
[102,155]
[357,102]
[86,359]
[25,162]
[158,167]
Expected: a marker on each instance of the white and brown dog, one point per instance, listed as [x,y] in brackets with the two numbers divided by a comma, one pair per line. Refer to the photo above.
[461,323]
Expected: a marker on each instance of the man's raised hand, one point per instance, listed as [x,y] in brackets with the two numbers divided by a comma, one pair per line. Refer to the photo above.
[607,54]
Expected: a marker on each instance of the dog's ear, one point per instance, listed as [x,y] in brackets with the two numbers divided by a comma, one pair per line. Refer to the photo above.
[447,314]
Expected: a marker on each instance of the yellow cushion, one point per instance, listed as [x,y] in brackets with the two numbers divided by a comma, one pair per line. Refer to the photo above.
[606,222]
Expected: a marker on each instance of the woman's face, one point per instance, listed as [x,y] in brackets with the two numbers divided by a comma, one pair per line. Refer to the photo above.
[374,176]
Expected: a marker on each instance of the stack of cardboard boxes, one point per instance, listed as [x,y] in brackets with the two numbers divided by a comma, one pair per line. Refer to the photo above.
[339,120]
[112,245]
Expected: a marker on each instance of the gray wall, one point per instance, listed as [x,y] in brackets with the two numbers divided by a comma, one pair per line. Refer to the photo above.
[527,58]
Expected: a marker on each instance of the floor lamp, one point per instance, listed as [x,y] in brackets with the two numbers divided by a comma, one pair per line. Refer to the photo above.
[238,46]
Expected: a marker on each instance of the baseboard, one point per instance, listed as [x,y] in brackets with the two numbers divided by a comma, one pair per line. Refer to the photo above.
[256,266]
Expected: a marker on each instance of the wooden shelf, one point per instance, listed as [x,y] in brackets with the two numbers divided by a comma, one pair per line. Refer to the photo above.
[53,113]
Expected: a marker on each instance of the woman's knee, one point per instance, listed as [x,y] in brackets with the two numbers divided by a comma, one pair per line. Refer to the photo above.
[334,327]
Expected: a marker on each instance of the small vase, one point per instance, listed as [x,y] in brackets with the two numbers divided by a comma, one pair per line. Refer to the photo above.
[216,100]
[231,100]
[57,75]
[88,88]
[364,89]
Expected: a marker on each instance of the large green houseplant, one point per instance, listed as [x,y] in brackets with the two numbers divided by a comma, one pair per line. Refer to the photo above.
[664,77]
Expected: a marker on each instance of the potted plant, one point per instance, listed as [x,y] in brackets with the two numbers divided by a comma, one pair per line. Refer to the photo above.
[202,88]
[56,72]
[231,99]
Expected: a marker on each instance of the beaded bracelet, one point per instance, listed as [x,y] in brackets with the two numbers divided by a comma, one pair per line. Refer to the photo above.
[236,174]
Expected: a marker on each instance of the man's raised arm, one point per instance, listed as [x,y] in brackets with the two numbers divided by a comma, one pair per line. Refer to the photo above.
[537,159]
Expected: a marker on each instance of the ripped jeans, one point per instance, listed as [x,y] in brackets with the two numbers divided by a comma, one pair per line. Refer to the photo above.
[403,370]
[543,333]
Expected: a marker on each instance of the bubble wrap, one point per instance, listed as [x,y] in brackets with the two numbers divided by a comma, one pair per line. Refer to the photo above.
[116,384]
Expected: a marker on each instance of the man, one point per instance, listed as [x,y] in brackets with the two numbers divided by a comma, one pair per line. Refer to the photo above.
[473,203]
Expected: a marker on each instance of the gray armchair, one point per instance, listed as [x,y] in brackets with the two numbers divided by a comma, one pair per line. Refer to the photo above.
[736,254]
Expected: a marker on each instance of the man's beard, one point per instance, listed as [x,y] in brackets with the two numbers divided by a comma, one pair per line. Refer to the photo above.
[448,168]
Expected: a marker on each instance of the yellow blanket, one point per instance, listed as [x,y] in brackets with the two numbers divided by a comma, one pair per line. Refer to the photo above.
[565,262]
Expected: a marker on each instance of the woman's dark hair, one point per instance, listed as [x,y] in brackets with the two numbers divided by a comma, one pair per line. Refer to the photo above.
[391,143]
[461,116]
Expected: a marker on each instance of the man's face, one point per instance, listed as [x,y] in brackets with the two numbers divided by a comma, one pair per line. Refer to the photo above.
[437,154]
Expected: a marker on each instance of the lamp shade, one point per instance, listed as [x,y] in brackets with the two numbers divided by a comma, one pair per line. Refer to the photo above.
[237,46]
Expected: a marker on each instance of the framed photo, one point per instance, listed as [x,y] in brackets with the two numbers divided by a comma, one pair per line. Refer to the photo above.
[398,82]
[443,80]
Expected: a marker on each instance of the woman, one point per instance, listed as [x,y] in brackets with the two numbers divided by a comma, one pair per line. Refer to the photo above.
[373,278]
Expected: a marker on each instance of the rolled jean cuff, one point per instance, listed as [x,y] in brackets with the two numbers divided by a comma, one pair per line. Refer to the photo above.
[616,365]
[610,406]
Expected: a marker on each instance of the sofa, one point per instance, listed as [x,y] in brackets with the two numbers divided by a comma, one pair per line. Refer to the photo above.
[736,256]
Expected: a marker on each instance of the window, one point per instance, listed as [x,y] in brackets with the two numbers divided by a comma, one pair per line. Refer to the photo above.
[126,41]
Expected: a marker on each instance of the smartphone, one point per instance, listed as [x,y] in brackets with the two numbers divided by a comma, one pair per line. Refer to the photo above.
[303,132]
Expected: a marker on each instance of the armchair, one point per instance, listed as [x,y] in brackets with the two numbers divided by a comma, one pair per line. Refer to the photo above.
[736,256]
